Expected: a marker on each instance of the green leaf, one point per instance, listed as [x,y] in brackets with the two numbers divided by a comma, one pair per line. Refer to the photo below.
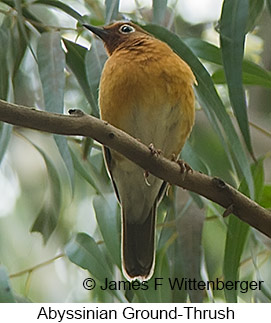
[47,218]
[208,98]
[252,73]
[204,50]
[159,9]
[94,62]
[26,14]
[248,79]
[269,5]
[75,57]
[253,70]
[265,200]
[111,10]
[88,172]
[64,150]
[193,159]
[16,47]
[84,252]
[21,21]
[189,227]
[4,73]
[108,218]
[232,37]
[255,10]
[64,7]
[51,62]
[237,235]
[6,295]
[235,243]
[258,176]
[5,135]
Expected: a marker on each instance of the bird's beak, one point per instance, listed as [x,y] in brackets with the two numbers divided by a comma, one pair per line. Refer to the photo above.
[100,32]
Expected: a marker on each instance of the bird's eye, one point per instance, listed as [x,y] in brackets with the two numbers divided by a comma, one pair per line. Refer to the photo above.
[126,29]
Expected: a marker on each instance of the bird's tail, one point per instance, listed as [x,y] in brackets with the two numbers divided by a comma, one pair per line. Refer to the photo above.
[138,246]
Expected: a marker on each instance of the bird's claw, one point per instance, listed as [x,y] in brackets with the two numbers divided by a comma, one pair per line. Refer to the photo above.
[185,168]
[146,175]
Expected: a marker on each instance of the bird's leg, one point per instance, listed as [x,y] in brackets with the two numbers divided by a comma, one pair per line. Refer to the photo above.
[185,168]
[155,152]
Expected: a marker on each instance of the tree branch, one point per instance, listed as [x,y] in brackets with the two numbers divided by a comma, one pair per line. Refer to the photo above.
[79,123]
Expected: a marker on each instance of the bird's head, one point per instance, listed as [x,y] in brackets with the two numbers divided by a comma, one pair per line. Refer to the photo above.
[118,33]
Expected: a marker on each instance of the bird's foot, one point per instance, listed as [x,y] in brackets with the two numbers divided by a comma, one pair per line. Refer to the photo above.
[154,151]
[185,168]
[76,112]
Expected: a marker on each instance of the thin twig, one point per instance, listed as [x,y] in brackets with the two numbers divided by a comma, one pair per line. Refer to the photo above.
[29,270]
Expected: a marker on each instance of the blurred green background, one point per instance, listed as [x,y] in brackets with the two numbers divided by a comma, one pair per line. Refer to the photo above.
[59,219]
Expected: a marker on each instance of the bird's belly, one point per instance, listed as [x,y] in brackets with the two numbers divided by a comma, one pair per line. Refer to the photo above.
[163,126]
[160,126]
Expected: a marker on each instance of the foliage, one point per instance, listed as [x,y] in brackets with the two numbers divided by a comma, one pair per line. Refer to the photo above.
[66,195]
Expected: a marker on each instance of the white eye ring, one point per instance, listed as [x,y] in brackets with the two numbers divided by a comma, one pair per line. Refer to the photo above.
[126,29]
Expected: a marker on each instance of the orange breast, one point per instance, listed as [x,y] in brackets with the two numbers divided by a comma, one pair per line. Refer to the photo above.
[148,93]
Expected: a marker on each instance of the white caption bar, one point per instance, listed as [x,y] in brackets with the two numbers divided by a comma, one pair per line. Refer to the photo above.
[63,312]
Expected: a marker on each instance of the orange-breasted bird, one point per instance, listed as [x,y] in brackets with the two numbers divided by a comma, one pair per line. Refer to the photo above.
[145,90]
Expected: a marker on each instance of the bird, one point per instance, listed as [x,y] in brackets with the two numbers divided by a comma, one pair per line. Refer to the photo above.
[146,90]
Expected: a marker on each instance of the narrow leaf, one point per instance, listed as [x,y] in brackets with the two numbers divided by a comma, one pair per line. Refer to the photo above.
[269,5]
[111,10]
[5,135]
[159,9]
[64,7]
[252,73]
[17,46]
[4,73]
[208,98]
[265,200]
[108,218]
[94,62]
[237,235]
[204,50]
[194,160]
[21,21]
[232,37]
[248,79]
[84,252]
[255,10]
[47,218]
[189,227]
[75,57]
[235,242]
[51,62]
[64,150]
[26,14]
[88,172]
[6,295]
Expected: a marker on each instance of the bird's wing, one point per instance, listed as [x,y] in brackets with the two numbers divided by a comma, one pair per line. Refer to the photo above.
[108,164]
